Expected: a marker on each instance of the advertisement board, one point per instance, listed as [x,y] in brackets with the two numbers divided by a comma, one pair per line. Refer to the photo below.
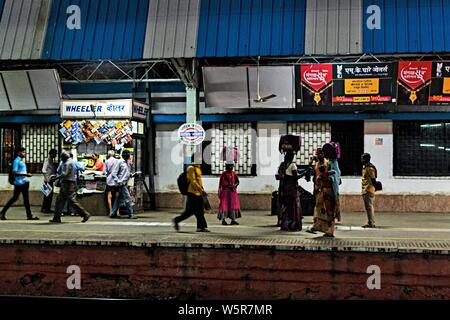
[440,84]
[316,81]
[414,79]
[363,84]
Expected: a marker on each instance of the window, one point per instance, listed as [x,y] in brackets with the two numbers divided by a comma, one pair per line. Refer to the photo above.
[38,140]
[421,148]
[350,136]
[240,135]
[9,139]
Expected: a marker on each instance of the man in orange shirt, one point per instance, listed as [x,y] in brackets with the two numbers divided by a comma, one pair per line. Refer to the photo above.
[369,175]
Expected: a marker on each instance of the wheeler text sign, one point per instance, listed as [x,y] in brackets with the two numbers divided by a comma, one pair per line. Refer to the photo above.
[96,109]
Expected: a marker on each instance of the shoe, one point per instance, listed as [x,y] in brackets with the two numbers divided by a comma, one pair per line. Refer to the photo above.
[86,217]
[328,236]
[132,217]
[55,221]
[234,223]
[32,218]
[311,231]
[224,223]
[203,230]
[368,226]
[3,217]
[113,216]
[175,225]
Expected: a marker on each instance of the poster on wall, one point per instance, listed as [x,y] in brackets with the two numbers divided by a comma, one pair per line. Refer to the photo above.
[316,82]
[440,84]
[414,78]
[363,84]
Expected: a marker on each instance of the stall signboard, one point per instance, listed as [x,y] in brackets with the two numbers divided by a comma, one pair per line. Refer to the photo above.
[414,79]
[440,84]
[363,84]
[140,110]
[97,109]
[191,134]
[316,84]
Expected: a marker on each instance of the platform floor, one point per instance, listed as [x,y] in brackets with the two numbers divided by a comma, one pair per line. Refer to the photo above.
[405,232]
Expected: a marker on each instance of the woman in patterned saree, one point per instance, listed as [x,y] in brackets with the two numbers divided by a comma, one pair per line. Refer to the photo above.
[324,212]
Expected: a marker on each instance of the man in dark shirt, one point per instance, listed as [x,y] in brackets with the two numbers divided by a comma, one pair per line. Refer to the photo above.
[68,177]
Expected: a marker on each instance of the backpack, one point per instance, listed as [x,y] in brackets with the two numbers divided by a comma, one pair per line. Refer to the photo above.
[11,176]
[183,183]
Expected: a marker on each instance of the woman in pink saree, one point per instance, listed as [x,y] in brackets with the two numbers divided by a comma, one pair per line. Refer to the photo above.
[229,206]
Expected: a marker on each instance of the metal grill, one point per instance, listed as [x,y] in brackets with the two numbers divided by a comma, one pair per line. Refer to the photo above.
[238,135]
[38,140]
[314,135]
[421,148]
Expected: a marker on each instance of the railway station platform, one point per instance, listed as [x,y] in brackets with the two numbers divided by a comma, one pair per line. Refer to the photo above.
[146,258]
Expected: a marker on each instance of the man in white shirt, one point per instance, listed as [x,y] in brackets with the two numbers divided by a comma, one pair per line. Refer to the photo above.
[111,187]
[48,170]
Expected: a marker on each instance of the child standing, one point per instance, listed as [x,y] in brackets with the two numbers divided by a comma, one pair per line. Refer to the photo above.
[229,206]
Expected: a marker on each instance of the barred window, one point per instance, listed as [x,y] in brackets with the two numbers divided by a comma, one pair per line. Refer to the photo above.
[239,135]
[349,134]
[421,148]
[313,134]
[38,140]
[9,139]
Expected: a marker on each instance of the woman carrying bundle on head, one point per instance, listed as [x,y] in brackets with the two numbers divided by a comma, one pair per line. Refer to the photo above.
[290,216]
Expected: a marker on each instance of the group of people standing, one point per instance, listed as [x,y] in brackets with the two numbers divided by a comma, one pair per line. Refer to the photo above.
[327,179]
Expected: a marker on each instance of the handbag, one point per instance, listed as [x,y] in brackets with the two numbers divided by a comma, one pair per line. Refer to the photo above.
[378,186]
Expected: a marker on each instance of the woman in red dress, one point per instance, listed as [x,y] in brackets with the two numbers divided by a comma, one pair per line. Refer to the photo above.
[229,206]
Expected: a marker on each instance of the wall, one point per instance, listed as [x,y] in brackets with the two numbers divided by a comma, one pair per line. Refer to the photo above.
[269,159]
[159,272]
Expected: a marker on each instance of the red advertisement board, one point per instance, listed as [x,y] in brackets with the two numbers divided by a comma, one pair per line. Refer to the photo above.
[414,79]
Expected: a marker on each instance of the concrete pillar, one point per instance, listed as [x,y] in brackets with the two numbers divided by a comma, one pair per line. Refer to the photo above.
[379,142]
[192,115]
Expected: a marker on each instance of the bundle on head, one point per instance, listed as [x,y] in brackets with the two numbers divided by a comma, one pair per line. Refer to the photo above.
[289,142]
[332,150]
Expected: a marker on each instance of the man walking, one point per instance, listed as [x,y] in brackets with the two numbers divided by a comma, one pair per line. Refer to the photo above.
[68,178]
[111,190]
[21,185]
[369,175]
[194,204]
[120,175]
[48,170]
